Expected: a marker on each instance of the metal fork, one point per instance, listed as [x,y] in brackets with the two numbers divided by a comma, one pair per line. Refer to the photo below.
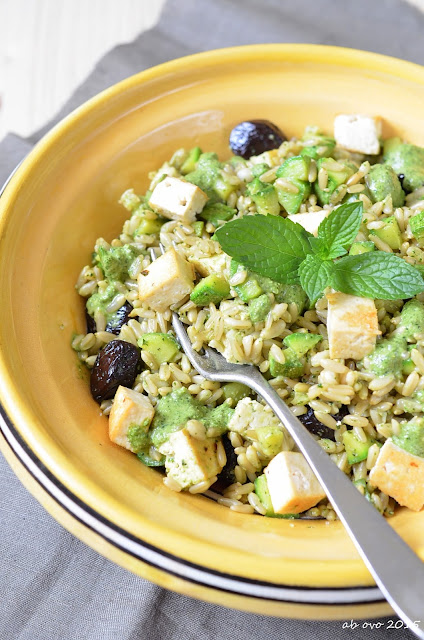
[397,570]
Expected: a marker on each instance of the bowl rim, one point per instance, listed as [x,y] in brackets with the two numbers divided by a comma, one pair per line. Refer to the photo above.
[13,419]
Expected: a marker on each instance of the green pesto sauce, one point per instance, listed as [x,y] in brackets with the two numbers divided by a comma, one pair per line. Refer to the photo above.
[411,437]
[205,175]
[138,437]
[414,403]
[390,354]
[177,408]
[209,177]
[116,261]
[100,300]
[388,357]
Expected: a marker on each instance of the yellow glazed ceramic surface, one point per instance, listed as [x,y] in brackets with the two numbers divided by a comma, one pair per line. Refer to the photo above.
[59,201]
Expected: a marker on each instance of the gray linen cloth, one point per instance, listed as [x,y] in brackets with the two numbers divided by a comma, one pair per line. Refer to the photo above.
[53,587]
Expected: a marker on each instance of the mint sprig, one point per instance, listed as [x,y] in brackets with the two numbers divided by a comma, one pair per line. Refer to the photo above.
[271,246]
[282,250]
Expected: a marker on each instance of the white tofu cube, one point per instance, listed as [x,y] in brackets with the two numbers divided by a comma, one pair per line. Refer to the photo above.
[169,279]
[352,325]
[292,486]
[177,199]
[357,132]
[129,408]
[188,460]
[310,221]
[218,264]
[400,474]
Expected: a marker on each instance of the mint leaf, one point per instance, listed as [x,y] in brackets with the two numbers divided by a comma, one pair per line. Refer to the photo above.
[318,247]
[376,275]
[314,276]
[340,228]
[335,252]
[269,245]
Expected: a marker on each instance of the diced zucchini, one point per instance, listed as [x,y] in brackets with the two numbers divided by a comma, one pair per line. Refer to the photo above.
[417,225]
[210,289]
[405,159]
[217,213]
[259,308]
[264,196]
[354,197]
[235,391]
[150,462]
[198,228]
[408,366]
[356,449]
[258,169]
[148,226]
[293,367]
[223,188]
[294,170]
[261,490]
[301,343]
[361,247]
[271,439]
[390,233]
[365,491]
[190,162]
[382,181]
[318,144]
[162,346]
[335,178]
[291,201]
[292,293]
[249,289]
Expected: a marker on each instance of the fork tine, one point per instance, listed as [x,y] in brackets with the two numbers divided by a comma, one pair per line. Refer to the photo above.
[197,361]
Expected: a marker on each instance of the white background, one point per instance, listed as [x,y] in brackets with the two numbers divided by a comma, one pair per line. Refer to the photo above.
[47,47]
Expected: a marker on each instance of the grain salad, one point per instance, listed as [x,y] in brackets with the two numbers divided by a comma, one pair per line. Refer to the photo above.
[302,256]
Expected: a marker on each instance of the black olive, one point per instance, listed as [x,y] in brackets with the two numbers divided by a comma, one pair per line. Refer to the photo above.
[116,364]
[342,412]
[120,317]
[227,475]
[316,427]
[252,137]
[90,323]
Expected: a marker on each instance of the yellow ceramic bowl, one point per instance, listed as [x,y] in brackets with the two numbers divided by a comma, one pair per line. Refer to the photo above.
[59,201]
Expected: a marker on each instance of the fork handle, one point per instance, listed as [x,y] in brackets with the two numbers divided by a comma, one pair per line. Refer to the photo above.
[396,569]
